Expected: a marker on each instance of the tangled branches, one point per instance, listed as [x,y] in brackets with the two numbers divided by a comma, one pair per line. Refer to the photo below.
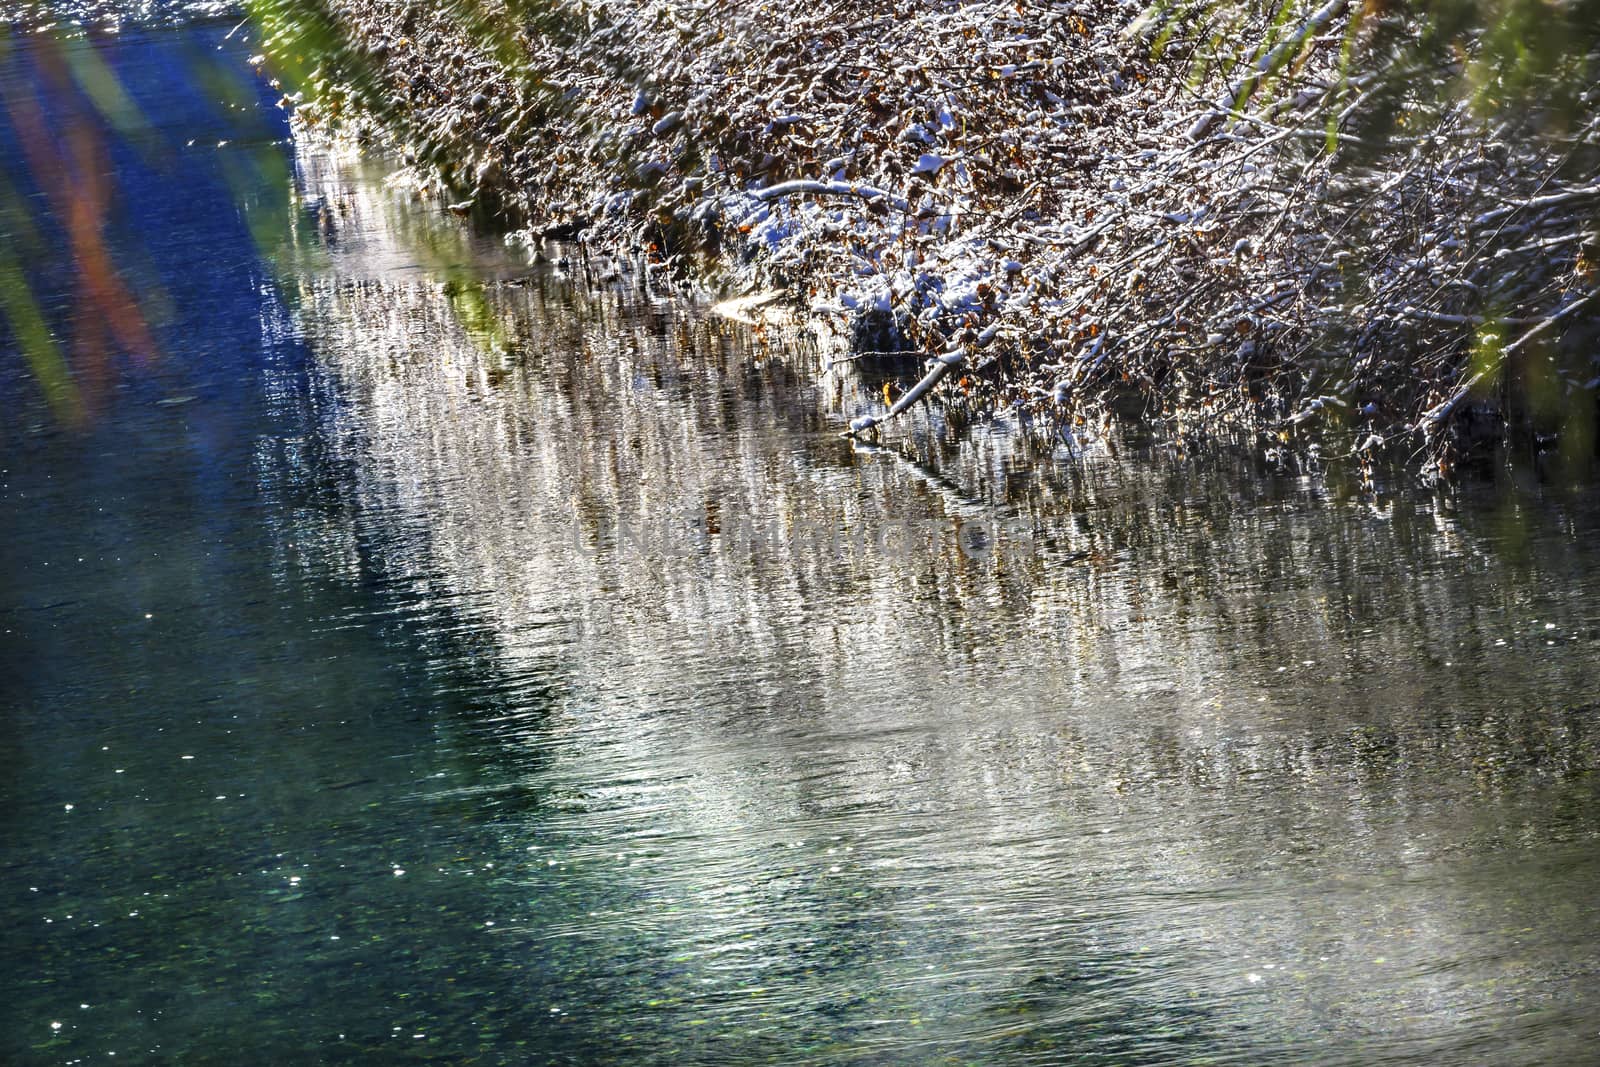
[1315,236]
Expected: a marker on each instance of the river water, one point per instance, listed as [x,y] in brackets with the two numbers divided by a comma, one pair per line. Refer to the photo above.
[434,652]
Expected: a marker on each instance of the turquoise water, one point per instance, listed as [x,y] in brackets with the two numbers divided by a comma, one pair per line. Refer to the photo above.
[437,652]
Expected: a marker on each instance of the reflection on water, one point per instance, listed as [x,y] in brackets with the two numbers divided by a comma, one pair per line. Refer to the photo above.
[1187,762]
[511,667]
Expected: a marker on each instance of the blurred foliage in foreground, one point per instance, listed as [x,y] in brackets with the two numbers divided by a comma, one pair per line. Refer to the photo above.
[62,106]
[80,299]
[92,123]
[1530,63]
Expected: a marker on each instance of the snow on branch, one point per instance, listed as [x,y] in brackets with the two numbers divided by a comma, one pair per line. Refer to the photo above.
[818,188]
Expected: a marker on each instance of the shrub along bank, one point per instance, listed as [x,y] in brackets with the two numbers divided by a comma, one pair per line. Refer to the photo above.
[1342,227]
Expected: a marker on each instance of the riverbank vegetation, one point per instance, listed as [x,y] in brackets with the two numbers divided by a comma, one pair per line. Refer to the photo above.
[1358,226]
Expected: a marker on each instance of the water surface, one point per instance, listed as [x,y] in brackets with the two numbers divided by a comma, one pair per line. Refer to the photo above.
[439,654]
